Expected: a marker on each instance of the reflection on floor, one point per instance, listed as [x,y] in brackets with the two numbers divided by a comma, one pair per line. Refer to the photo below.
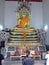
[36,62]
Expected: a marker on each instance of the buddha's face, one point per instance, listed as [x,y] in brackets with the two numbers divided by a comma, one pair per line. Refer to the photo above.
[24,14]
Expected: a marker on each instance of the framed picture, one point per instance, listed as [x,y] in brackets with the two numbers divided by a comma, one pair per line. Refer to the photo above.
[42,48]
[11,48]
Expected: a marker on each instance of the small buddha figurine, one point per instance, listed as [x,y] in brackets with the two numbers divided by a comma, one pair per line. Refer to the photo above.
[24,21]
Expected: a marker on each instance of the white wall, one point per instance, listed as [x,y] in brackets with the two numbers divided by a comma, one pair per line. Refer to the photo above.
[2,3]
[10,14]
[37,15]
[46,17]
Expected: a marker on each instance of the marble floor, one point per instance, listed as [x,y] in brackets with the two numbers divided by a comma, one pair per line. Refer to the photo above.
[36,62]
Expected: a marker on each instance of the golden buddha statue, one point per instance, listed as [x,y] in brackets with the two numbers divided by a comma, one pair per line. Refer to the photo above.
[23,22]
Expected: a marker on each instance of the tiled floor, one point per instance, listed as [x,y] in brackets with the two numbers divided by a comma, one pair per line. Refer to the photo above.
[39,62]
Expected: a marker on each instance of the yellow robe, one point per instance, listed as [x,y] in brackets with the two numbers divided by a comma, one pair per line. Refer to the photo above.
[24,21]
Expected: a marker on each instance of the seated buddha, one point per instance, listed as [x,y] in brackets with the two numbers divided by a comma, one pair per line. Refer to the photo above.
[23,21]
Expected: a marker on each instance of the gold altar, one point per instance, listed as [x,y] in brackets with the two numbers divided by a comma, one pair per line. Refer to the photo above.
[22,35]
